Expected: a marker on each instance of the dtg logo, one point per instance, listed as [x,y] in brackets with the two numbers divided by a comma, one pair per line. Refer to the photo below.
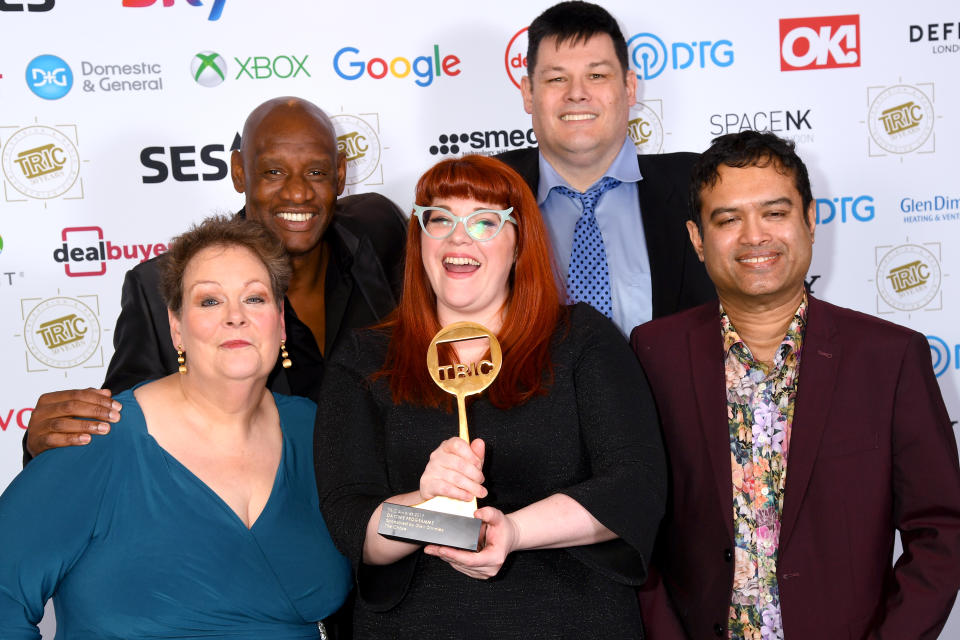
[49,77]
[826,42]
[861,209]
[424,68]
[208,69]
[215,10]
[940,354]
[649,54]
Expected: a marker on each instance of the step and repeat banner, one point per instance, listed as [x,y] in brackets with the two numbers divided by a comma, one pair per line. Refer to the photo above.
[117,119]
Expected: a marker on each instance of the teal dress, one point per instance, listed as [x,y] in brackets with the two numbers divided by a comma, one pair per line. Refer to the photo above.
[131,544]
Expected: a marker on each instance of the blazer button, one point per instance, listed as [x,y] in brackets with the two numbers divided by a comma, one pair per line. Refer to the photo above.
[727,555]
[718,628]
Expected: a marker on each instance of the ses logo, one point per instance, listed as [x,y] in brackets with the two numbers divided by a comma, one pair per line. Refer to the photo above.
[349,65]
[49,77]
[909,277]
[940,352]
[489,142]
[42,5]
[43,162]
[826,42]
[859,208]
[216,8]
[84,252]
[359,142]
[61,332]
[900,119]
[939,208]
[937,33]
[649,55]
[182,162]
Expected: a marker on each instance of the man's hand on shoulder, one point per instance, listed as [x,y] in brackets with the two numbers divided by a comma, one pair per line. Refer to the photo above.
[68,418]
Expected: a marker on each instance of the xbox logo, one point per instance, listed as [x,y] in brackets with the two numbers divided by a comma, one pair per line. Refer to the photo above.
[208,68]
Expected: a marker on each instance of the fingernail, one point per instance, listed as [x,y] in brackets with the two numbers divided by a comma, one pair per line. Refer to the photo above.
[114,416]
[83,438]
[103,427]
[117,406]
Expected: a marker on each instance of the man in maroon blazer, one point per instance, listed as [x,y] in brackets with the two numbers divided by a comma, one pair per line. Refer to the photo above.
[801,436]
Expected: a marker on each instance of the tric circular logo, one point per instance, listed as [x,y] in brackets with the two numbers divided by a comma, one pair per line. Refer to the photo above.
[40,162]
[908,277]
[359,144]
[645,129]
[62,332]
[515,57]
[49,77]
[901,119]
[648,55]
[208,69]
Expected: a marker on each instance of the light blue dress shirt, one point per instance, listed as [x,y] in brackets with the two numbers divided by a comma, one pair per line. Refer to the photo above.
[618,215]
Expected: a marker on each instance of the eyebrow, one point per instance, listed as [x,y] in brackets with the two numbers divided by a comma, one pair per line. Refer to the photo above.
[447,207]
[216,283]
[764,205]
[591,65]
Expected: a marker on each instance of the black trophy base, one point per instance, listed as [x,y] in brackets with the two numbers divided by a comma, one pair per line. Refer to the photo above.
[410,524]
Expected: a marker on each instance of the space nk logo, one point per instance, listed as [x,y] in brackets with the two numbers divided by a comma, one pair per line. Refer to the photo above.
[649,55]
[183,163]
[825,42]
[845,209]
[34,5]
[216,8]
[49,77]
[84,251]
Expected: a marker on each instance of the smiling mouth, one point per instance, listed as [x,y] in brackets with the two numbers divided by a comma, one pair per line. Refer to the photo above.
[292,216]
[757,259]
[458,264]
[578,116]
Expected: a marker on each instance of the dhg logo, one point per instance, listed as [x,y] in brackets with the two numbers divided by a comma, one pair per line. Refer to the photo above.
[940,353]
[215,11]
[861,209]
[49,77]
[649,54]
[208,69]
[826,42]
[425,68]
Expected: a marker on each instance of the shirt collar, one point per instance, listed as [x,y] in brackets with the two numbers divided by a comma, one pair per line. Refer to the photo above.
[792,341]
[624,168]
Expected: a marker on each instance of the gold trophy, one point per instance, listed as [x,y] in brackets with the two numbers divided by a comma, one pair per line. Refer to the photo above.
[442,520]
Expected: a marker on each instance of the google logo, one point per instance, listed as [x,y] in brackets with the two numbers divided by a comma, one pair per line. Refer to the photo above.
[425,68]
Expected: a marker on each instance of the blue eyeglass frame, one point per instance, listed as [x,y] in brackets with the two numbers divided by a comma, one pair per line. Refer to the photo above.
[504,214]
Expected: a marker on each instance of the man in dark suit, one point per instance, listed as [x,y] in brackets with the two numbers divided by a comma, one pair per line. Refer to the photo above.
[801,436]
[579,90]
[346,256]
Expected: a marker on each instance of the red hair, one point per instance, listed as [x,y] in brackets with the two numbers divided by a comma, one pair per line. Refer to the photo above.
[533,303]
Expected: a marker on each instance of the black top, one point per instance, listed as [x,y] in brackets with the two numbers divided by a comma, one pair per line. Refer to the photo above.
[362,285]
[677,276]
[593,437]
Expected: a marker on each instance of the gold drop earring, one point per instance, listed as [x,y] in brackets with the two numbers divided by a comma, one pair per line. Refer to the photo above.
[181,360]
[286,362]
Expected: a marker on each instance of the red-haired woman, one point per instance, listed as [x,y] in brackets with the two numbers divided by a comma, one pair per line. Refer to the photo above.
[567,456]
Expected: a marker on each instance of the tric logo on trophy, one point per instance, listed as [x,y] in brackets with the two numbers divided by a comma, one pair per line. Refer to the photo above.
[442,520]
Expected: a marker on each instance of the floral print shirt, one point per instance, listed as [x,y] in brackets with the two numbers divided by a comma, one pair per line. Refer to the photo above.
[760,405]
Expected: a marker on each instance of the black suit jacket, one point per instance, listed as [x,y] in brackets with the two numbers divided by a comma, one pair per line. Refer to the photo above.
[363,282]
[678,277]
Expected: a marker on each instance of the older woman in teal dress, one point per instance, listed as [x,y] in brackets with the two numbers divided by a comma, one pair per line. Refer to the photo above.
[197,515]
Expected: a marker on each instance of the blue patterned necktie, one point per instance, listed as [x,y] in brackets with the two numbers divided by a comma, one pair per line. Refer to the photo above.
[588,276]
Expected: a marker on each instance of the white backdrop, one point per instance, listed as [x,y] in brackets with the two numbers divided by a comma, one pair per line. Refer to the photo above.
[110,146]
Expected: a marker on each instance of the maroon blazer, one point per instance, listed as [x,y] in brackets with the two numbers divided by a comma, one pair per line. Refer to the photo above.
[872,452]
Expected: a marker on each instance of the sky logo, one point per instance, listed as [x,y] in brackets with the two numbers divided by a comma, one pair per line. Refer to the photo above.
[49,77]
[215,11]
